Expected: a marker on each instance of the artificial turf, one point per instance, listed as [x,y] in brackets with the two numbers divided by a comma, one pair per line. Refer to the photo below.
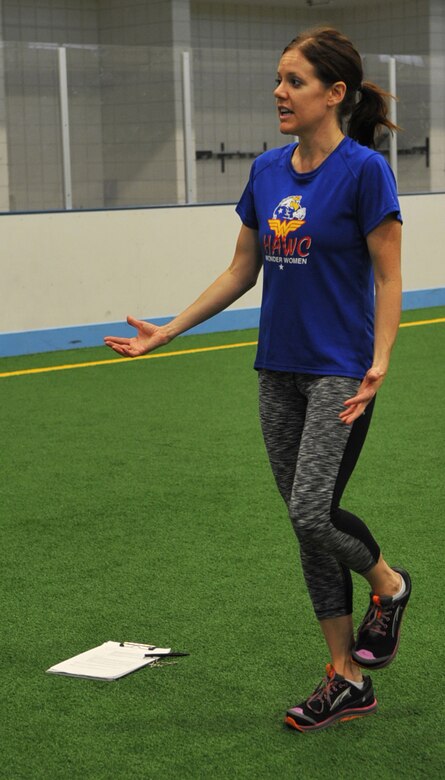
[137,504]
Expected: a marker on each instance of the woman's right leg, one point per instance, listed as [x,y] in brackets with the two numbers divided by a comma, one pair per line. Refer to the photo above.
[283,414]
[282,417]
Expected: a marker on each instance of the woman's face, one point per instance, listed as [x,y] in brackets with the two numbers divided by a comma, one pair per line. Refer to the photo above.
[303,101]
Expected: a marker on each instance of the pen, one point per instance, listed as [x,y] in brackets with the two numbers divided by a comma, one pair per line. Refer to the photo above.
[164,655]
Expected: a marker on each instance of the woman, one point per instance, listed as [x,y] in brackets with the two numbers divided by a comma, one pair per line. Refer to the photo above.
[322,217]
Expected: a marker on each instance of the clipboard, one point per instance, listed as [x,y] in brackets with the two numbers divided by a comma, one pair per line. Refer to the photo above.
[111,660]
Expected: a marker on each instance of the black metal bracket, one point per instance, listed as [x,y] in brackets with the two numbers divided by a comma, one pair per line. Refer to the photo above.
[222,155]
[412,150]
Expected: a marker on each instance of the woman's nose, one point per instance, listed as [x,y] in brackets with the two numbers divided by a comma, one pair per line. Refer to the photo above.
[279,91]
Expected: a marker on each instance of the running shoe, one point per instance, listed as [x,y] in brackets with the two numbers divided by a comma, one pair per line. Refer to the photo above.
[334,699]
[378,636]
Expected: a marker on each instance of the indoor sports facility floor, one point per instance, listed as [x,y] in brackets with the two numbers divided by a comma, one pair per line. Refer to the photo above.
[137,504]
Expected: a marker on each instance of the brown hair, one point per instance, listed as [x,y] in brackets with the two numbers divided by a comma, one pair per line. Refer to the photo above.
[335,58]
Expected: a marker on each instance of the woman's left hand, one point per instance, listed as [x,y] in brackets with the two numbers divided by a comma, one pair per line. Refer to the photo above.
[356,405]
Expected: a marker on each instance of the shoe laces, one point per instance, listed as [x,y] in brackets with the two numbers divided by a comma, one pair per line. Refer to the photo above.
[378,617]
[323,692]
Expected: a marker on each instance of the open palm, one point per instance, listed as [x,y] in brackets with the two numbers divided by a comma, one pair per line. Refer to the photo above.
[148,337]
[368,388]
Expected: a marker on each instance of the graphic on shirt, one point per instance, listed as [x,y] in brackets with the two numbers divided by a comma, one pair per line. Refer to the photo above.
[288,216]
[279,246]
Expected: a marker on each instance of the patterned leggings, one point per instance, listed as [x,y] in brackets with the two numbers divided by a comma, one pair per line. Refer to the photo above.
[312,455]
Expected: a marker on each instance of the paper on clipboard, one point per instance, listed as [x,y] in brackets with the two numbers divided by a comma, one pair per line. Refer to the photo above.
[109,661]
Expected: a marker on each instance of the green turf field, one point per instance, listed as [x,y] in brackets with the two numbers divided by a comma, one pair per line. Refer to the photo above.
[137,504]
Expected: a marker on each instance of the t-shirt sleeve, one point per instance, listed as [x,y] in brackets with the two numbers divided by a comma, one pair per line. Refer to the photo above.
[246,206]
[377,194]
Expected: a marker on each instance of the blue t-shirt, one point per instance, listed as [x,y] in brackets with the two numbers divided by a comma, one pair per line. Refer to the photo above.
[317,311]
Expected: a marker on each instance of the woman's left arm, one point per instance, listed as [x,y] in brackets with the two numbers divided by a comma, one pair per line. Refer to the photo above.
[384,244]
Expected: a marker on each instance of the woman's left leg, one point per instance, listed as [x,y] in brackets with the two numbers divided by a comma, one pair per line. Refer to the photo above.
[344,535]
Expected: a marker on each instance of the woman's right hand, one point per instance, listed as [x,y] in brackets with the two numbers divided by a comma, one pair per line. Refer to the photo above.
[148,338]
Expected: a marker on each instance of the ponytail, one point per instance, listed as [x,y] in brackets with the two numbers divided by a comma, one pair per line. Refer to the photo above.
[370,115]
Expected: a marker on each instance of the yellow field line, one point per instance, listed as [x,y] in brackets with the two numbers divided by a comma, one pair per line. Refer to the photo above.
[152,356]
[421,322]
[46,369]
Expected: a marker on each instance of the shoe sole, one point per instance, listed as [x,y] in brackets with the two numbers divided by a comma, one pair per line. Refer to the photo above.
[380,663]
[340,717]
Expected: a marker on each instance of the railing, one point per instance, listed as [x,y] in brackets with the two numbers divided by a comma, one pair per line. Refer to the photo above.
[90,127]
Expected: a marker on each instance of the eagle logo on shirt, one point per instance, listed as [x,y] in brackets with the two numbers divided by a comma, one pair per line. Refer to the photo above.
[288,216]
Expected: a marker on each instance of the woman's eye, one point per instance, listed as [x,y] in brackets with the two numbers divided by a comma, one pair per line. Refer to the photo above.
[290,81]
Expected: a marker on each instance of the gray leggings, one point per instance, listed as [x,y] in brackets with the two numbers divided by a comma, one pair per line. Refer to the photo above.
[312,455]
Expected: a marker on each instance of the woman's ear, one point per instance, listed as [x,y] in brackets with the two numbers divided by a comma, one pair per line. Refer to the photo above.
[337,93]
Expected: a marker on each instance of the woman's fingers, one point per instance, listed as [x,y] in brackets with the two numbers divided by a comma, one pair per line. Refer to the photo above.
[352,413]
[112,341]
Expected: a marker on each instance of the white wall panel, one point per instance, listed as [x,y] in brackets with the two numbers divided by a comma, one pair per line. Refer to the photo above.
[80,268]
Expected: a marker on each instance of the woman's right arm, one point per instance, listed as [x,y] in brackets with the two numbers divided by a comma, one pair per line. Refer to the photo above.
[237,279]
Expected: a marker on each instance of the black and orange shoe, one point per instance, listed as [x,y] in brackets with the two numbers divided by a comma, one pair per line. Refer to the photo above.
[334,699]
[378,636]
